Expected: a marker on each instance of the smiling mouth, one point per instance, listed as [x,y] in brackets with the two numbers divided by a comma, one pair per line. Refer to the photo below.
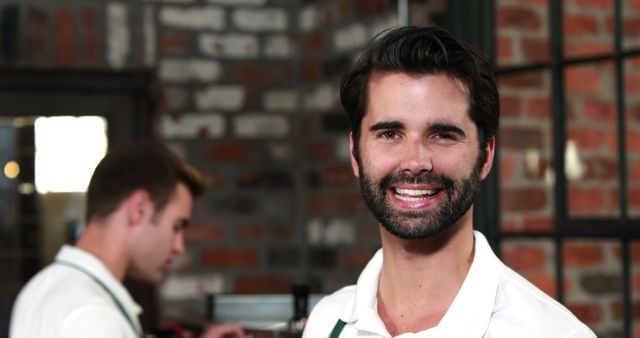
[414,195]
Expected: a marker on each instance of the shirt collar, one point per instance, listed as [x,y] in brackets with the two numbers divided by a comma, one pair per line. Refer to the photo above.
[94,265]
[472,305]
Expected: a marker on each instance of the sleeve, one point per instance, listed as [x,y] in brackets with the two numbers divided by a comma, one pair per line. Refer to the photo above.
[96,322]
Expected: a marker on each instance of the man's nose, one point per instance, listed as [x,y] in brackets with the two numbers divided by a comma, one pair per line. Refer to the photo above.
[416,157]
[178,243]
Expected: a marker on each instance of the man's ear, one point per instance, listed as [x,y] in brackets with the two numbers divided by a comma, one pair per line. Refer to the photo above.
[489,152]
[354,162]
[139,207]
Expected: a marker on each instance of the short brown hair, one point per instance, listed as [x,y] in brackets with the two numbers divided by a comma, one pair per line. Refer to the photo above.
[146,165]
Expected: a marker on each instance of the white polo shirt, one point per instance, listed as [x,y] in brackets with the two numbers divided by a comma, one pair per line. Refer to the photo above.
[493,302]
[63,302]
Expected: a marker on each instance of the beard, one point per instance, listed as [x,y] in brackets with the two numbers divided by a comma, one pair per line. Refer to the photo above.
[458,198]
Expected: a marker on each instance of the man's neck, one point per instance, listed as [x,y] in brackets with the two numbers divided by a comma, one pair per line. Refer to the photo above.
[107,245]
[420,278]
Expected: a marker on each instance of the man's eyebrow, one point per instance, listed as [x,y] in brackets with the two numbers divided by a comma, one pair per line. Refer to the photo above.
[386,125]
[184,223]
[447,127]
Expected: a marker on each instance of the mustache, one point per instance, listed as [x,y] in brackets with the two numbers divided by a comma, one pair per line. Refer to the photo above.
[426,178]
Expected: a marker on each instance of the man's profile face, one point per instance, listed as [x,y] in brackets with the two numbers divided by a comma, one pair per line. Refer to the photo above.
[419,160]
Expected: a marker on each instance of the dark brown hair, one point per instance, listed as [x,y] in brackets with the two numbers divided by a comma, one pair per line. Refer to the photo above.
[146,165]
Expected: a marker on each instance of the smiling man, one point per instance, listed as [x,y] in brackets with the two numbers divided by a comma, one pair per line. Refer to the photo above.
[423,110]
[139,202]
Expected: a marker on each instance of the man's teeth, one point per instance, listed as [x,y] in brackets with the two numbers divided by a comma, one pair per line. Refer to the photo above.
[413,194]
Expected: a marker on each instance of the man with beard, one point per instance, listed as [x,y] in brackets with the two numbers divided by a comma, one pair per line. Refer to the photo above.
[139,202]
[423,110]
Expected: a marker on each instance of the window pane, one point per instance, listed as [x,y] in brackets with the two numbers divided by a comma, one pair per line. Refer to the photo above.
[526,159]
[632,127]
[588,27]
[593,284]
[523,32]
[591,157]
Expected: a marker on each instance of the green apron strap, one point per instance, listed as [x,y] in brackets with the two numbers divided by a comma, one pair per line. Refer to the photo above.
[337,329]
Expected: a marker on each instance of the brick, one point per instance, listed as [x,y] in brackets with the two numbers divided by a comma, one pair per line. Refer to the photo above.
[601,283]
[600,169]
[599,111]
[350,37]
[280,100]
[630,26]
[261,20]
[149,36]
[338,176]
[539,108]
[632,84]
[263,284]
[278,47]
[583,255]
[635,4]
[537,224]
[220,97]
[508,168]
[586,200]
[524,257]
[575,25]
[589,314]
[521,138]
[238,2]
[259,73]
[193,125]
[535,49]
[65,51]
[195,18]
[175,43]
[183,70]
[354,258]
[634,198]
[588,49]
[320,150]
[586,139]
[544,282]
[583,81]
[524,199]
[251,232]
[634,171]
[36,36]
[371,6]
[174,97]
[510,106]
[311,72]
[323,258]
[191,287]
[505,50]
[633,141]
[309,18]
[523,19]
[596,4]
[229,258]
[91,35]
[203,233]
[118,35]
[228,152]
[265,179]
[212,180]
[260,126]
[353,203]
[320,205]
[283,257]
[522,81]
[320,98]
[232,45]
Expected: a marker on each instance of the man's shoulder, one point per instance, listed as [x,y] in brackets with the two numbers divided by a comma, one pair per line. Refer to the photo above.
[327,311]
[521,305]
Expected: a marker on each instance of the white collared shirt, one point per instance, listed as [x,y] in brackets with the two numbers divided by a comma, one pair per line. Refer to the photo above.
[493,302]
[64,302]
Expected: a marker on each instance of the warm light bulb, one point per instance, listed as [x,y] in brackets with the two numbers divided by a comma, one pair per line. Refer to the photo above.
[11,169]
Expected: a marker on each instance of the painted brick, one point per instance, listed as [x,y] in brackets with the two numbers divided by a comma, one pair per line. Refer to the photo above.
[278,47]
[601,283]
[596,4]
[522,81]
[521,138]
[258,20]
[589,314]
[196,18]
[260,126]
[263,284]
[587,200]
[631,27]
[193,125]
[634,198]
[228,152]
[634,170]
[510,106]
[338,176]
[580,25]
[599,111]
[65,51]
[229,258]
[583,255]
[586,139]
[238,2]
[520,18]
[220,97]
[182,70]
[505,50]
[36,36]
[257,73]
[523,199]
[194,287]
[321,98]
[203,233]
[174,97]
[350,38]
[174,42]
[309,19]
[280,100]
[524,257]
[91,35]
[536,49]
[509,166]
[632,84]
[537,224]
[229,45]
[589,48]
[539,108]
[118,35]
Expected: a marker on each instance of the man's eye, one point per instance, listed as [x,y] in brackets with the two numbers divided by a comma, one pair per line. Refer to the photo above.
[445,136]
[388,134]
